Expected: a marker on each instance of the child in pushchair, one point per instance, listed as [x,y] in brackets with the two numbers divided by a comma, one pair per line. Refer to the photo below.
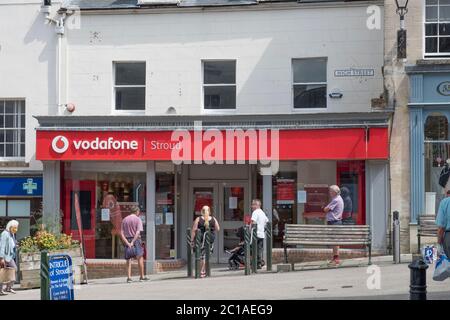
[237,253]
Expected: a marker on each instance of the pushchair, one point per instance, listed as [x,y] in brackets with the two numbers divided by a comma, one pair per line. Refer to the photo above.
[237,258]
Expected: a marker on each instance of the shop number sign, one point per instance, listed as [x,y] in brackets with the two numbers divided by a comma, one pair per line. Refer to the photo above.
[61,277]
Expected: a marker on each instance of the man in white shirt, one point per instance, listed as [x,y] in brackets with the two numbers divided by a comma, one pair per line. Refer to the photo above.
[260,219]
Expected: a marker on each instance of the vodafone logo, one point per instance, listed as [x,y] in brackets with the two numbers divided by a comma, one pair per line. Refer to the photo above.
[60,144]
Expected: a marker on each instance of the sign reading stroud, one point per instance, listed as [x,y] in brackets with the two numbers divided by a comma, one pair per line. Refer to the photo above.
[61,277]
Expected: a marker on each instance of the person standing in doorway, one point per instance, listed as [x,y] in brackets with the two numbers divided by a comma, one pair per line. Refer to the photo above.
[260,219]
[8,245]
[131,236]
[204,222]
[334,212]
[443,224]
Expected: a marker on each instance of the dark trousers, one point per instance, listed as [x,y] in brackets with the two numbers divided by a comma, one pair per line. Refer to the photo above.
[260,250]
[446,243]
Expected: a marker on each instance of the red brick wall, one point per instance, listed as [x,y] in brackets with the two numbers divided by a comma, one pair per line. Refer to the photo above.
[98,269]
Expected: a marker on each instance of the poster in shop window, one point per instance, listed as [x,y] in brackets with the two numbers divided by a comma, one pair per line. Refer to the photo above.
[202,199]
[286,191]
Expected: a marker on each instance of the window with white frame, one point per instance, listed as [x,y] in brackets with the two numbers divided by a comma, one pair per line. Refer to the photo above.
[25,211]
[310,83]
[219,84]
[12,129]
[129,86]
[437,28]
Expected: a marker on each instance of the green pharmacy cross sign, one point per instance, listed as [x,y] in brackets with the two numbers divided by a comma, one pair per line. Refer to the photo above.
[30,186]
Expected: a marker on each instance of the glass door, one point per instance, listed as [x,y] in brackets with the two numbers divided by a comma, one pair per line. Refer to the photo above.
[234,205]
[229,202]
[351,181]
[204,194]
[80,205]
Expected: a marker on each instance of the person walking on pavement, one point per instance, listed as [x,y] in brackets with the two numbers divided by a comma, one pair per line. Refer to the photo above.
[260,219]
[131,236]
[334,212]
[202,223]
[443,224]
[8,245]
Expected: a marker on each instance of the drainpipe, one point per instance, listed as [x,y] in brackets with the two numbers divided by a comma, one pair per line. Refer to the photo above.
[59,23]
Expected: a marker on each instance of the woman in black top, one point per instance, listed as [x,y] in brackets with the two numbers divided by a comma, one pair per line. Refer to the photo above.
[202,223]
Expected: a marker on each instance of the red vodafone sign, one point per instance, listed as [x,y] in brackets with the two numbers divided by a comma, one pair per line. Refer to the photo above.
[213,145]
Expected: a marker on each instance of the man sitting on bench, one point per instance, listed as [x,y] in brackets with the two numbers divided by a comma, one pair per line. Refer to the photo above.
[334,216]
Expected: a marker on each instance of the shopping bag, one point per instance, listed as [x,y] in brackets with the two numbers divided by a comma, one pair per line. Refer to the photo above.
[7,275]
[130,252]
[429,254]
[442,269]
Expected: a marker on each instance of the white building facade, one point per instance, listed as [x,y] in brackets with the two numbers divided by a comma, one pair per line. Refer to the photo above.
[27,88]
[129,74]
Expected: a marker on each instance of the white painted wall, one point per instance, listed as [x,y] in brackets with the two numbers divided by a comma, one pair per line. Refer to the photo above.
[263,43]
[27,67]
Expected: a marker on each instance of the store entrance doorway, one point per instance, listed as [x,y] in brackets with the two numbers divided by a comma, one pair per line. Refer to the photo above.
[229,202]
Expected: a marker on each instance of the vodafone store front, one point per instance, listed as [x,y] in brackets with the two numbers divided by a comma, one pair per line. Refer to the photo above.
[99,175]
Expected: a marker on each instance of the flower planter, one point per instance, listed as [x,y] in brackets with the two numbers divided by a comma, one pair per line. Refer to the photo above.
[30,264]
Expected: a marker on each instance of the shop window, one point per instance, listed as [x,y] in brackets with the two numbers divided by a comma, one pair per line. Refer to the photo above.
[437,162]
[301,191]
[129,86]
[18,208]
[12,129]
[284,190]
[219,84]
[2,208]
[165,211]
[436,128]
[26,211]
[310,83]
[437,28]
[102,195]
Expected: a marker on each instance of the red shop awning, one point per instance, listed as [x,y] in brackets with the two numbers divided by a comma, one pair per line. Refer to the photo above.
[210,145]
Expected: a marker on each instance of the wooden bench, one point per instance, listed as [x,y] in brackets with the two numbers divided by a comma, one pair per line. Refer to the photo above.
[325,235]
[426,227]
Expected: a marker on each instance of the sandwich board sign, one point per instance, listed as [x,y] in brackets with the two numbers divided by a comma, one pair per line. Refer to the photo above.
[61,277]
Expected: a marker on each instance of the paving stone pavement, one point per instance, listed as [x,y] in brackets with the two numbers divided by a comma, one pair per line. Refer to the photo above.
[335,283]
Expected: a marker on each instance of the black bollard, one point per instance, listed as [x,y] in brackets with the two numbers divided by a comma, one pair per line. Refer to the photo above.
[207,251]
[396,237]
[269,246]
[189,252]
[254,250]
[197,249]
[247,237]
[418,279]
[45,277]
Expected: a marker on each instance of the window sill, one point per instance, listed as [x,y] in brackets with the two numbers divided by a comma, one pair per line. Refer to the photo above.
[128,112]
[433,60]
[309,110]
[219,111]
[13,162]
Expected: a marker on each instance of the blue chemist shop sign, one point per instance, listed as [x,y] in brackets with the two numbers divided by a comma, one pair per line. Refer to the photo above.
[21,186]
[61,277]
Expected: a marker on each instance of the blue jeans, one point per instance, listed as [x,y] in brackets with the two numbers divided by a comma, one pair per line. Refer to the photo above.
[335,222]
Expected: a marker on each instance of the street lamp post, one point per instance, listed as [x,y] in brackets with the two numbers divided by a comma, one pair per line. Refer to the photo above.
[402,10]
